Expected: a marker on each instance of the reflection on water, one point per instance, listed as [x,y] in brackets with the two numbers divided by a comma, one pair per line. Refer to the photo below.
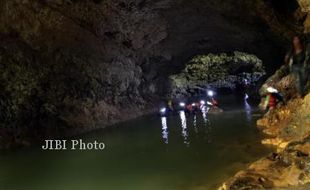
[165,132]
[137,158]
[248,108]
[207,124]
[184,127]
[195,124]
[204,111]
[195,121]
[200,123]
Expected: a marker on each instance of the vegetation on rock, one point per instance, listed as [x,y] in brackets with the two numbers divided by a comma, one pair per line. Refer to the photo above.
[218,71]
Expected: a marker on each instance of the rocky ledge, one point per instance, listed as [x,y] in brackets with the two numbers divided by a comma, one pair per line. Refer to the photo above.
[288,129]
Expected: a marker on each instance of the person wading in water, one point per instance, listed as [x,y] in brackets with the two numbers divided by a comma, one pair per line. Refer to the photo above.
[298,61]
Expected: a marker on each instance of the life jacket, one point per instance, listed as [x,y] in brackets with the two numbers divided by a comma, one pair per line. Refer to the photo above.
[272,102]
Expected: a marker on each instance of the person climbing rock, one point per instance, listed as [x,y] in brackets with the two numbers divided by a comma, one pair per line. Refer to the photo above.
[273,97]
[298,61]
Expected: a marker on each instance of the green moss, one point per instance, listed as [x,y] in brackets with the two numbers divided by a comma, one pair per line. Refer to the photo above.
[222,68]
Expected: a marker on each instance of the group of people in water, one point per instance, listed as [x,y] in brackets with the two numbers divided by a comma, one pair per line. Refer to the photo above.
[191,107]
[298,62]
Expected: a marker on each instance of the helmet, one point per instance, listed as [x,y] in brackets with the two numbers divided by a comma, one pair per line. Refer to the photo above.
[271,90]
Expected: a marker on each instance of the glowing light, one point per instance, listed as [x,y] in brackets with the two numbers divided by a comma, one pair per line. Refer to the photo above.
[246,96]
[202,102]
[193,104]
[182,104]
[209,103]
[163,110]
[210,93]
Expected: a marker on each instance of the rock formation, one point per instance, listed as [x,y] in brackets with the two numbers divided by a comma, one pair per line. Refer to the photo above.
[75,65]
[218,71]
[288,129]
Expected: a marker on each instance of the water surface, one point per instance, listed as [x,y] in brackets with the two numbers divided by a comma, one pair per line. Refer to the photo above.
[150,153]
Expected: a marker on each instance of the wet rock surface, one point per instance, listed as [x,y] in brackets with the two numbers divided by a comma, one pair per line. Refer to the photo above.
[288,129]
[289,167]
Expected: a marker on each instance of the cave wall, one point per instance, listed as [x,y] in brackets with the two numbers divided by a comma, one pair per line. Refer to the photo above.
[286,128]
[91,63]
[304,14]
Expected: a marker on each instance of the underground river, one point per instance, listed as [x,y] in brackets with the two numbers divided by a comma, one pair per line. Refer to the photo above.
[149,153]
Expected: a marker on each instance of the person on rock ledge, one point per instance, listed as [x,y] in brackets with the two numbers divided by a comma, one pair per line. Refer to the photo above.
[298,61]
[272,99]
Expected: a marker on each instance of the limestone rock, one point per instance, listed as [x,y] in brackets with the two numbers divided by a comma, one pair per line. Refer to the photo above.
[279,170]
[305,5]
[289,128]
